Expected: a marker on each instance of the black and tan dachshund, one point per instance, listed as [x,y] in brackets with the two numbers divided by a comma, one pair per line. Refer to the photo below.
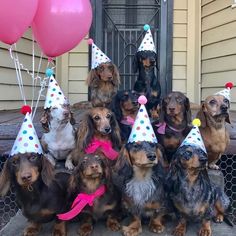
[174,123]
[192,193]
[147,82]
[139,175]
[39,193]
[125,107]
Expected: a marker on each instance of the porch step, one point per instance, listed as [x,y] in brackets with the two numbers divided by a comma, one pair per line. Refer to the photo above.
[18,223]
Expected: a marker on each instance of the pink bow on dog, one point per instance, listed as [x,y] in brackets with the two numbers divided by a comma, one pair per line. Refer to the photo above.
[105,146]
[80,202]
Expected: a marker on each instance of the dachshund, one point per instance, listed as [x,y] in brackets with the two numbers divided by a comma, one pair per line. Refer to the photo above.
[92,174]
[139,176]
[174,123]
[103,82]
[125,107]
[147,82]
[40,192]
[214,114]
[59,140]
[98,132]
[192,193]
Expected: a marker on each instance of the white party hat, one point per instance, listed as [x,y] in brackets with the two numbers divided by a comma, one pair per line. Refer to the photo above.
[27,139]
[98,57]
[226,92]
[54,95]
[194,137]
[142,129]
[147,43]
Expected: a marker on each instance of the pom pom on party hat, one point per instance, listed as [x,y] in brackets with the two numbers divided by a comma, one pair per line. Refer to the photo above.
[98,57]
[147,43]
[54,95]
[226,92]
[194,137]
[27,139]
[142,129]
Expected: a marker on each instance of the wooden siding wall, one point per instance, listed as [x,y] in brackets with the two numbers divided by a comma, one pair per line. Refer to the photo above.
[218,47]
[74,71]
[10,97]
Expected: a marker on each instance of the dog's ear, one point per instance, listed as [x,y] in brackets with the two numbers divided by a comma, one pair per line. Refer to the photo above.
[72,119]
[45,120]
[136,62]
[160,153]
[162,111]
[123,161]
[73,180]
[227,119]
[92,75]
[5,179]
[47,171]
[156,58]
[201,115]
[115,107]
[116,76]
[188,113]
[115,133]
[85,131]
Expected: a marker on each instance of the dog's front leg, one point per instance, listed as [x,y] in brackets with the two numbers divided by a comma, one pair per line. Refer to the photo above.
[134,228]
[156,224]
[59,228]
[86,226]
[32,229]
[69,164]
[180,229]
[206,228]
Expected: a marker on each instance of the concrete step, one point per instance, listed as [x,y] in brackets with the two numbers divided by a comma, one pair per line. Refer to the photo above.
[18,223]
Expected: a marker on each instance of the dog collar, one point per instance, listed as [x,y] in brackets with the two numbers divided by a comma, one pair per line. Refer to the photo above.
[105,146]
[161,128]
[80,202]
[128,120]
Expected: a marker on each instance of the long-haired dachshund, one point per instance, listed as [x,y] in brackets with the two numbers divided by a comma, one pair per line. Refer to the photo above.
[103,82]
[139,175]
[39,193]
[59,139]
[125,107]
[193,195]
[91,174]
[147,82]
[214,114]
[98,132]
[174,123]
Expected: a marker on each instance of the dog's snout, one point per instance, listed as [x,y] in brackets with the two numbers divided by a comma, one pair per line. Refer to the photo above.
[223,108]
[107,129]
[151,157]
[171,109]
[26,177]
[94,166]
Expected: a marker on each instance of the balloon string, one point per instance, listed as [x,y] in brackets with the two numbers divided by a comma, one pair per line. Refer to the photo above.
[33,82]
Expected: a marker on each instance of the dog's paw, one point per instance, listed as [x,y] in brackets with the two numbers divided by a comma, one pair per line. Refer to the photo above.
[213,166]
[205,232]
[86,229]
[131,231]
[32,230]
[179,230]
[113,224]
[69,165]
[156,228]
[219,218]
[59,229]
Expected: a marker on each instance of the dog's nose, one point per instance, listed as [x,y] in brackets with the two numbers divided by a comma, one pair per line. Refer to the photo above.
[171,109]
[151,157]
[223,108]
[94,166]
[26,177]
[135,103]
[107,129]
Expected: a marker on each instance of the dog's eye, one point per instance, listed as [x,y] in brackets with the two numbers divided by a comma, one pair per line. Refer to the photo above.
[187,154]
[108,116]
[15,161]
[180,100]
[226,101]
[32,158]
[212,102]
[96,118]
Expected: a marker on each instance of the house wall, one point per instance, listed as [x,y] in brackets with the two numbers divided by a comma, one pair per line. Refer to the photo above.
[10,97]
[218,47]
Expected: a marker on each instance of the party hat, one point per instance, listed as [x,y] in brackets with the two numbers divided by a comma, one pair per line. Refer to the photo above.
[147,43]
[54,95]
[27,139]
[194,137]
[98,57]
[142,129]
[226,92]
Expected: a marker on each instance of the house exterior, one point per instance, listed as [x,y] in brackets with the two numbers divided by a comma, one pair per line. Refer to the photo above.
[203,54]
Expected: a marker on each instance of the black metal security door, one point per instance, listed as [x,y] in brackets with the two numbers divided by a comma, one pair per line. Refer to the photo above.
[118,30]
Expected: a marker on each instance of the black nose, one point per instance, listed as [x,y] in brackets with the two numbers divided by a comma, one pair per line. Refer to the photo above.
[135,103]
[171,109]
[108,130]
[151,157]
[26,177]
[224,108]
[94,166]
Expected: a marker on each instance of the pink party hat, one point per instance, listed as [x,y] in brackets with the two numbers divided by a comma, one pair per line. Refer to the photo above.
[54,95]
[147,43]
[226,92]
[98,57]
[27,140]
[142,129]
[194,137]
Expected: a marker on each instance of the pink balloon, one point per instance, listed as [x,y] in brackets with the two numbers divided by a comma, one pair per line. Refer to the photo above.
[15,17]
[59,25]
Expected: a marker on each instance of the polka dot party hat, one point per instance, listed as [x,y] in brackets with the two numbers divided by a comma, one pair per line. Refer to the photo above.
[98,57]
[142,129]
[54,95]
[27,139]
[194,137]
[147,43]
[226,92]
